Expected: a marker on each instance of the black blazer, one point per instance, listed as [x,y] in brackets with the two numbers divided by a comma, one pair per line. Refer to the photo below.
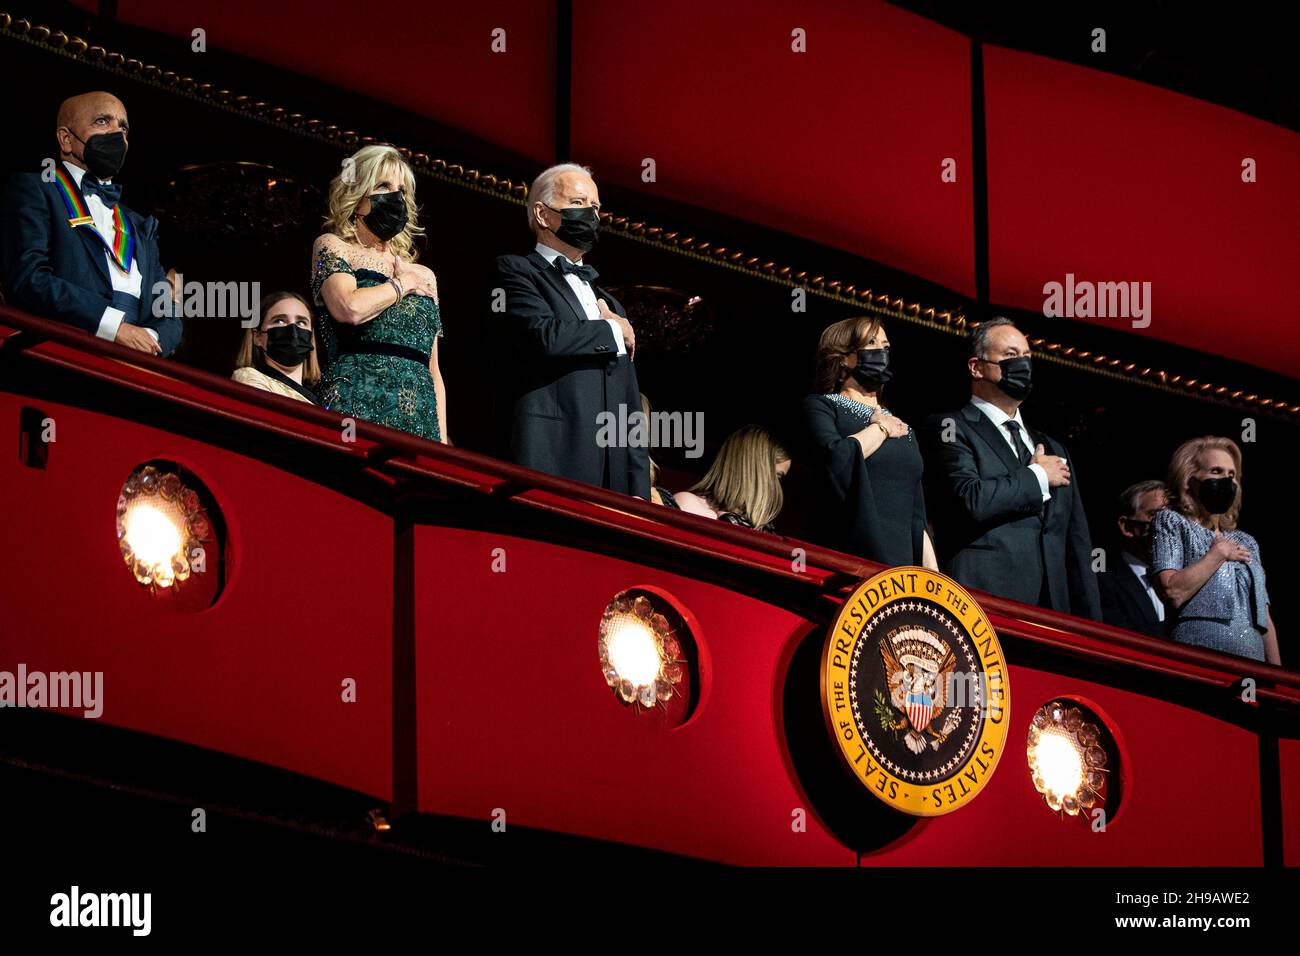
[56,271]
[992,529]
[567,371]
[1125,604]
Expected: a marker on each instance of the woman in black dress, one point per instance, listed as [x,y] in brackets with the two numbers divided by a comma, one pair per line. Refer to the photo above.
[871,503]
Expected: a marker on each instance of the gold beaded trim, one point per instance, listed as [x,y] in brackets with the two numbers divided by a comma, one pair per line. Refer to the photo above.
[684,244]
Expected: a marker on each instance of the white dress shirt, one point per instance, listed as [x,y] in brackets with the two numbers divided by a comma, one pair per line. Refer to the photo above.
[586,295]
[1144,578]
[129,283]
[999,418]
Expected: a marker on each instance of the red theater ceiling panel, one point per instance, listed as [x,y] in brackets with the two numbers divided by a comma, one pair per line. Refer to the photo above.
[1110,180]
[432,59]
[843,144]
[1129,196]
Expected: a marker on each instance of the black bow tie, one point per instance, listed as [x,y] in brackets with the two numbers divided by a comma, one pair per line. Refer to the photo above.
[569,269]
[109,192]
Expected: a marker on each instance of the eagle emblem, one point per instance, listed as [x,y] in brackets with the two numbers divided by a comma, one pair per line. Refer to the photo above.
[919,669]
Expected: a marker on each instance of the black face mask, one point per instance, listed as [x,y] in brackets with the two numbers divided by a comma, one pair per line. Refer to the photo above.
[288,345]
[872,370]
[387,216]
[103,154]
[579,226]
[1217,494]
[1017,377]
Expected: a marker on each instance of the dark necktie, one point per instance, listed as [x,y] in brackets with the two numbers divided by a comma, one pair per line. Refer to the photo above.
[586,273]
[1022,452]
[110,193]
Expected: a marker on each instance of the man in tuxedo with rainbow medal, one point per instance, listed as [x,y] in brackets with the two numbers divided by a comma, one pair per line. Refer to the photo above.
[71,251]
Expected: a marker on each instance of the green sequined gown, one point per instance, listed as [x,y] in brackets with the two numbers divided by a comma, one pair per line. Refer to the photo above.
[395,390]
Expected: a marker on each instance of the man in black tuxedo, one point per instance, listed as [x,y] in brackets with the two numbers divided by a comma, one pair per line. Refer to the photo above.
[572,345]
[71,251]
[1128,597]
[1007,517]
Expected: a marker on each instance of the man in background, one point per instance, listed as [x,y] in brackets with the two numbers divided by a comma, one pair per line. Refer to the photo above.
[1128,595]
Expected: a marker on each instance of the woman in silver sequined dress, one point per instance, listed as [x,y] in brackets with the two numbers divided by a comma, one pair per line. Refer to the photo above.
[1207,570]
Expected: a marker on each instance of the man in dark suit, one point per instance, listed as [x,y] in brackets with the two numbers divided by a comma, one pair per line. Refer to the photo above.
[71,251]
[1007,516]
[572,346]
[1128,595]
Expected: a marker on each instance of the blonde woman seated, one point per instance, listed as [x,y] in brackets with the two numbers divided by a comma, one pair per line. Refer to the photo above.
[380,339]
[743,486]
[280,354]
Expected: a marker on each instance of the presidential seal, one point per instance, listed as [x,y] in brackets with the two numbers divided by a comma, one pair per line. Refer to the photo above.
[915,691]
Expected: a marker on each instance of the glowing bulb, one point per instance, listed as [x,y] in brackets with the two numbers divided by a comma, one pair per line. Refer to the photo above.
[154,535]
[1059,763]
[633,652]
[640,657]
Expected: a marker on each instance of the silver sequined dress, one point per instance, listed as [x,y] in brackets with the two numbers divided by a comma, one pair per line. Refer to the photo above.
[1229,613]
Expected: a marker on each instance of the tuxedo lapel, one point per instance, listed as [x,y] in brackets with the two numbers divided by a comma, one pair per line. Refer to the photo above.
[994,438]
[1038,438]
[86,235]
[94,247]
[614,305]
[1133,592]
[146,230]
[557,282]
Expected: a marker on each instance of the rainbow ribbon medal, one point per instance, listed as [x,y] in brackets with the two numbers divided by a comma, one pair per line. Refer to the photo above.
[122,247]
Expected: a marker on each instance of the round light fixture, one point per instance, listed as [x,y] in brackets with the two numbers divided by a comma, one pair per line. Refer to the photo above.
[641,656]
[162,528]
[1070,757]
